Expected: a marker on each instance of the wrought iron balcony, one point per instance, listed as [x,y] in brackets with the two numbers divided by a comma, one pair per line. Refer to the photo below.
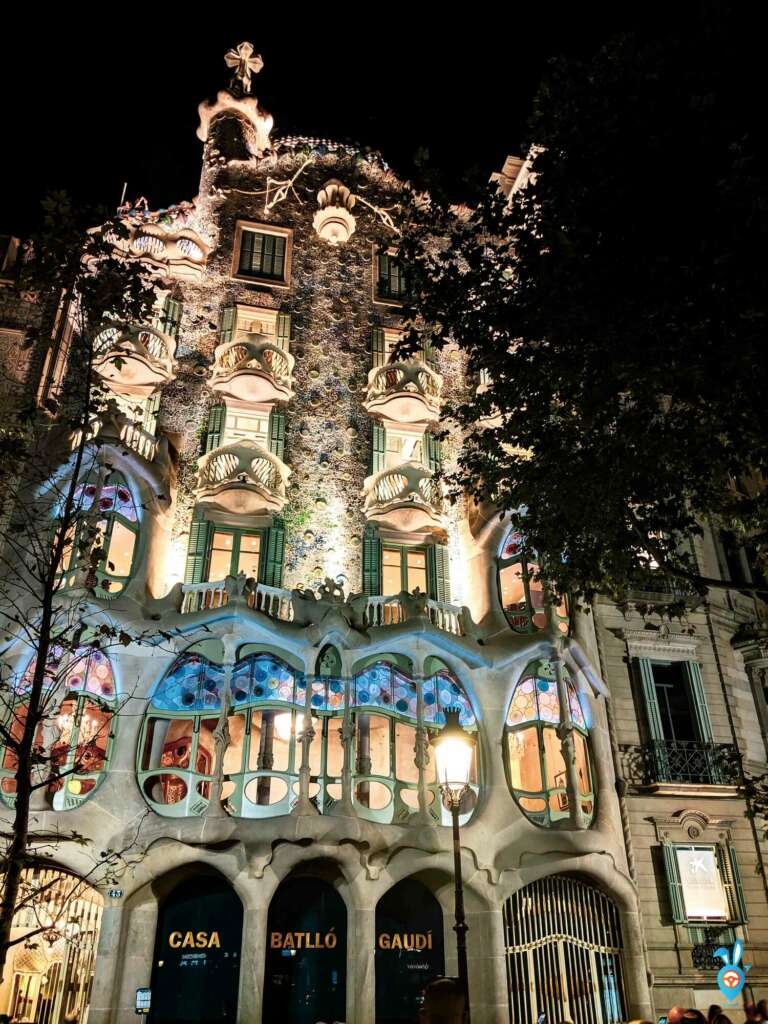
[242,477]
[690,762]
[134,361]
[407,392]
[253,369]
[406,497]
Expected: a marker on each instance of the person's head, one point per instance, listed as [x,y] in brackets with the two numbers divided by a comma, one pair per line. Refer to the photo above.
[751,1011]
[762,1009]
[693,1017]
[721,1019]
[675,1014]
[713,1012]
[443,1002]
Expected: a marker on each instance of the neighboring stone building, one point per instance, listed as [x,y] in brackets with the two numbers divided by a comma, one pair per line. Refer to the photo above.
[273,503]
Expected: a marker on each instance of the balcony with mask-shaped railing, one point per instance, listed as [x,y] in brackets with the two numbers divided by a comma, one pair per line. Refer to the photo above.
[406,391]
[407,498]
[253,369]
[242,477]
[134,361]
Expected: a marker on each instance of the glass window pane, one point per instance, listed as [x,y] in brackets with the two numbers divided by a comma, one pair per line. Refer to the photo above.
[248,559]
[205,763]
[92,738]
[373,745]
[233,755]
[221,556]
[405,741]
[512,588]
[554,759]
[334,762]
[417,571]
[524,759]
[582,764]
[391,577]
[120,555]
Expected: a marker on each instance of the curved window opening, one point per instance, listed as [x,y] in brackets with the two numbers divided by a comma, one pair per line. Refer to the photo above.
[261,736]
[101,537]
[536,768]
[73,741]
[522,595]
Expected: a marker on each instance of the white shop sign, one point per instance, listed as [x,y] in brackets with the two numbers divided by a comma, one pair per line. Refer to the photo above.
[703,891]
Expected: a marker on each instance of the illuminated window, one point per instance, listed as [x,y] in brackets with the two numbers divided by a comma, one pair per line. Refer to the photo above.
[402,446]
[403,568]
[262,253]
[244,424]
[391,279]
[74,738]
[522,595]
[105,518]
[704,883]
[536,770]
[233,552]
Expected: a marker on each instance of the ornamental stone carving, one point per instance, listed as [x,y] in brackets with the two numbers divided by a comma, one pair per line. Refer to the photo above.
[333,221]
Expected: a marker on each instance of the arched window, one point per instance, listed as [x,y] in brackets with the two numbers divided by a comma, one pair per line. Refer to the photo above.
[386,713]
[536,770]
[74,738]
[522,595]
[261,735]
[106,517]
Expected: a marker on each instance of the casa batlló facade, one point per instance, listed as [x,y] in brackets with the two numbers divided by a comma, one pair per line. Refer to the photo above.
[275,504]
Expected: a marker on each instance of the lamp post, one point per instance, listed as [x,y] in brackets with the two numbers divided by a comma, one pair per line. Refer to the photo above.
[453,757]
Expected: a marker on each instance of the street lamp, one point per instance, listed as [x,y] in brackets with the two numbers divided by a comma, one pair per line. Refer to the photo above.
[453,756]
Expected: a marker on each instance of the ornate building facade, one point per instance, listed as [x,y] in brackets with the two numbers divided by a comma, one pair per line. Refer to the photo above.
[269,473]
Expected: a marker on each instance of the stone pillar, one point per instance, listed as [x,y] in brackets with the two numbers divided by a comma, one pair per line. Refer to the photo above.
[136,952]
[361,969]
[304,805]
[108,964]
[253,955]
[486,957]
[639,1001]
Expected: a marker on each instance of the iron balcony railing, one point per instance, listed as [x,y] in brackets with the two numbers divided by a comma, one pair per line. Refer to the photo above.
[687,761]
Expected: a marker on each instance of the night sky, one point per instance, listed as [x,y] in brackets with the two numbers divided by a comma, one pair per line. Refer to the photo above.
[94,99]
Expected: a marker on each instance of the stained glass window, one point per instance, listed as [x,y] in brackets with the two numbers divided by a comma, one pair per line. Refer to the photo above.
[536,770]
[522,594]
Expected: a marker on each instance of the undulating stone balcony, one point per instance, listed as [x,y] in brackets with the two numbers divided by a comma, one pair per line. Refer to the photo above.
[242,477]
[361,612]
[253,369]
[405,498]
[134,361]
[406,392]
[180,252]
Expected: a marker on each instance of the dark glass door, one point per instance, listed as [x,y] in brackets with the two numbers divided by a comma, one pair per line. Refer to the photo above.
[196,970]
[675,709]
[305,976]
[409,950]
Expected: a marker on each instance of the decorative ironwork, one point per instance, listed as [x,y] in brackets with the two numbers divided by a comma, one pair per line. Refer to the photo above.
[687,761]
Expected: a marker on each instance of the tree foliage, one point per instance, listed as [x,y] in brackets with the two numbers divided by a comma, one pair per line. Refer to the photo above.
[616,308]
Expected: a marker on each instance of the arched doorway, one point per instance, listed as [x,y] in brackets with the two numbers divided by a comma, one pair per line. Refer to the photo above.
[196,969]
[563,943]
[305,973]
[409,950]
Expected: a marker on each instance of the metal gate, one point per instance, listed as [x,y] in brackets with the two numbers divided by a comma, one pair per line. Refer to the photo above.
[563,943]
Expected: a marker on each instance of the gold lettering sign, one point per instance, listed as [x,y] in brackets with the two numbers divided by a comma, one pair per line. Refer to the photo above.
[302,940]
[405,940]
[194,940]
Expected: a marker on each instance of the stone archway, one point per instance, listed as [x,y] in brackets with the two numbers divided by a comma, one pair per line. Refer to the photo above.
[305,972]
[564,953]
[409,950]
[196,967]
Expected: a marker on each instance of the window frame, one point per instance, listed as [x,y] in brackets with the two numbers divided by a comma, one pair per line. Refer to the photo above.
[728,874]
[381,298]
[404,549]
[237,532]
[528,562]
[243,226]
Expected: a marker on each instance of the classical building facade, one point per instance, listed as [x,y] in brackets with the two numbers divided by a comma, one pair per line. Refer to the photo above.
[269,472]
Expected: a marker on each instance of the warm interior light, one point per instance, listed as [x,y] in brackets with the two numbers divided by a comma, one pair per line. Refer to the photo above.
[453,755]
[284,725]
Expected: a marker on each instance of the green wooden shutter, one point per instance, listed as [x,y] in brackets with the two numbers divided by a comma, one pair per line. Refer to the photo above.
[277,433]
[283,331]
[378,448]
[273,554]
[731,876]
[216,419]
[439,573]
[197,551]
[378,348]
[371,562]
[247,238]
[432,450]
[673,883]
[698,700]
[226,324]
[383,285]
[645,670]
[171,318]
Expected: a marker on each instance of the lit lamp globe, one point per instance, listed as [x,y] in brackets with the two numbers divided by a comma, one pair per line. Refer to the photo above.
[284,725]
[453,757]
